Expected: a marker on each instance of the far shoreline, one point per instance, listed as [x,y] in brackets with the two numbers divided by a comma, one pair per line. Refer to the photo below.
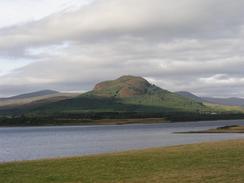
[122,122]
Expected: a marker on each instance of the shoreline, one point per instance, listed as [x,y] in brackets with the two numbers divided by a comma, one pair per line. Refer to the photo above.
[117,122]
[101,122]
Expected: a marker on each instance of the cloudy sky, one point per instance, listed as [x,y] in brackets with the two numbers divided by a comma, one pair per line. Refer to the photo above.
[69,45]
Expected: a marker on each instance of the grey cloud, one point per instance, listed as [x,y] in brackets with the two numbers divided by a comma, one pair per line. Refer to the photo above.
[179,45]
[169,64]
[105,18]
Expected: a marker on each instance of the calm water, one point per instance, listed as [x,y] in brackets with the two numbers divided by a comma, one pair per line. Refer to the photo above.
[28,143]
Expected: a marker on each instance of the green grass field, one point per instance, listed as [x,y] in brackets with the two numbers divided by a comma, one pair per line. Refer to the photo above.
[220,162]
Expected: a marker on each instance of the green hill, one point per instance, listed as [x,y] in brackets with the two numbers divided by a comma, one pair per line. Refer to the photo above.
[138,91]
[125,94]
[127,97]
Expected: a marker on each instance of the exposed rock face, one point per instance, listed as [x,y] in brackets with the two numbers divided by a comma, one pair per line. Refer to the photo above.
[125,86]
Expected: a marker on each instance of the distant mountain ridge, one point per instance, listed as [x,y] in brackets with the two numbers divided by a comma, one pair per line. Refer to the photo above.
[33,94]
[38,97]
[220,101]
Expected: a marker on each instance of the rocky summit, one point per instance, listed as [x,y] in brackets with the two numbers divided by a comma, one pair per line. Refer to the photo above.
[125,86]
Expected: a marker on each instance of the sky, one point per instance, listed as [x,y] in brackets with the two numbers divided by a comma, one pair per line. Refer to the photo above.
[70,45]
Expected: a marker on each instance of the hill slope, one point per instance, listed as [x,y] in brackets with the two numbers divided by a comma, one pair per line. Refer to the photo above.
[190,96]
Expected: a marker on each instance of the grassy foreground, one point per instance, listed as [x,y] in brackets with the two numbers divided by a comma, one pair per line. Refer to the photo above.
[208,162]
